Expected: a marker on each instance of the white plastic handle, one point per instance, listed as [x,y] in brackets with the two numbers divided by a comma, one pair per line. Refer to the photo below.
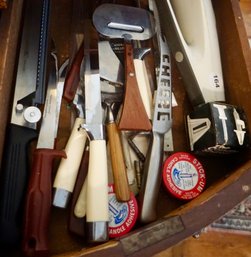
[68,168]
[195,23]
[80,206]
[97,183]
[144,86]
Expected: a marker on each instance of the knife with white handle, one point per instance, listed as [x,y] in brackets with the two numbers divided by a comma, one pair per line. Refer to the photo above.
[97,214]
[67,172]
[68,168]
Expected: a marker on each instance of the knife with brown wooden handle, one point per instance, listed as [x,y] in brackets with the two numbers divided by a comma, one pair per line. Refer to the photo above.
[112,94]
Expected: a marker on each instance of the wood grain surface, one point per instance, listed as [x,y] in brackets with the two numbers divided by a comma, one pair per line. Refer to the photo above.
[211,244]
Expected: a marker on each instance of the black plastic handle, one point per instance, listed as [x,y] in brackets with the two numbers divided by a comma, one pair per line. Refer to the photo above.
[13,182]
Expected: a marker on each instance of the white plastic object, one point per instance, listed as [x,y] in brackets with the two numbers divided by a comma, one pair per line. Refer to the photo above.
[68,168]
[97,183]
[196,26]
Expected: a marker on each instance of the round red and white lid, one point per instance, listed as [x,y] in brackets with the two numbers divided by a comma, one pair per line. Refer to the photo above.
[184,176]
[122,215]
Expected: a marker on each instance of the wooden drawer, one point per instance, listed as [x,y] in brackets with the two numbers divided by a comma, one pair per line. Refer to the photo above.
[228,177]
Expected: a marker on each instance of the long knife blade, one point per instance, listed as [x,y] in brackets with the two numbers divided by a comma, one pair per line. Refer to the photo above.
[93,94]
[97,214]
[15,168]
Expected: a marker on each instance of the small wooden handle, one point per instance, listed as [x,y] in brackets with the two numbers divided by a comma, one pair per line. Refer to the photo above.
[122,189]
[133,116]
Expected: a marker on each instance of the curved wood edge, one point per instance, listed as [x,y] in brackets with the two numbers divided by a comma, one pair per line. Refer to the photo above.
[180,224]
[9,32]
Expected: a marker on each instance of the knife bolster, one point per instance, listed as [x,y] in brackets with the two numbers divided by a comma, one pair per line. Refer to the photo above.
[97,231]
[94,131]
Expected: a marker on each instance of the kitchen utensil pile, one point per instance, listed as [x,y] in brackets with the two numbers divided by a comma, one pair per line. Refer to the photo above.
[122,111]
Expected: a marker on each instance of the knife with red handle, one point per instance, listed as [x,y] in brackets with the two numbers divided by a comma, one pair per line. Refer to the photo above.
[73,75]
[38,198]
[38,203]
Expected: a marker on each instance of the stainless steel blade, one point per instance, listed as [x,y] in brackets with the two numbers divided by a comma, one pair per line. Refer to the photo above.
[92,93]
[110,66]
[120,21]
[60,89]
[48,126]
[93,108]
[25,84]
